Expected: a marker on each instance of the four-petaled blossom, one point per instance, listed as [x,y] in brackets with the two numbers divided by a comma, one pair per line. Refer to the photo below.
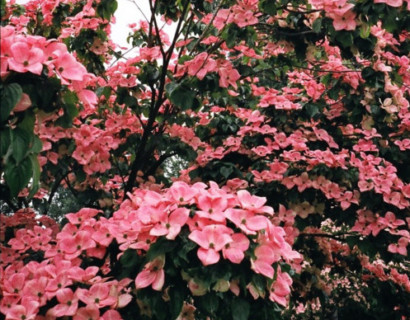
[68,303]
[280,289]
[26,310]
[98,295]
[171,225]
[211,240]
[26,58]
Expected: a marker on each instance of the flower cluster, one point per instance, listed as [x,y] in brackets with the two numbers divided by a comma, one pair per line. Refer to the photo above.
[220,224]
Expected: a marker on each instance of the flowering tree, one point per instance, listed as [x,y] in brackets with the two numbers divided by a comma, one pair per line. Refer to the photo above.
[290,120]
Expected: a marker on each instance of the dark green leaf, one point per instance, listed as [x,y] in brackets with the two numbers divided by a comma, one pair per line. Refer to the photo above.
[5,141]
[37,145]
[18,176]
[28,123]
[268,7]
[345,38]
[226,171]
[21,141]
[317,25]
[129,259]
[208,303]
[312,110]
[176,301]
[182,96]
[240,309]
[162,246]
[10,95]
[107,8]
[36,175]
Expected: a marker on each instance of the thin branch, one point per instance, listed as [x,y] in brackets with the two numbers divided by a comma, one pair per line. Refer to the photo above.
[157,31]
[138,7]
[337,236]
[207,27]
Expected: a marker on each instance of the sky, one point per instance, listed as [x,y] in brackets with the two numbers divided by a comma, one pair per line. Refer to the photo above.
[127,12]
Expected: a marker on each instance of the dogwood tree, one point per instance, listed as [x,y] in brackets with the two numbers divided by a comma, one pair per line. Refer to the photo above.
[288,122]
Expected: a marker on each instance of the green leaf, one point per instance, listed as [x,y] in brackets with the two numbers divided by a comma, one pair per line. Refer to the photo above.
[18,176]
[5,141]
[36,175]
[226,171]
[240,309]
[129,259]
[345,38]
[21,141]
[107,8]
[162,246]
[312,110]
[317,25]
[368,73]
[10,95]
[268,7]
[182,96]
[28,122]
[209,303]
[230,35]
[364,30]
[37,145]
[176,301]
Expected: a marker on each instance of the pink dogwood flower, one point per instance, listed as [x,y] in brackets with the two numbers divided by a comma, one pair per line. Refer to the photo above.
[153,274]
[26,310]
[26,58]
[211,240]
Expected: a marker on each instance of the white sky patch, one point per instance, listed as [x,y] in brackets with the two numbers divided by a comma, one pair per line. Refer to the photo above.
[127,13]
[133,11]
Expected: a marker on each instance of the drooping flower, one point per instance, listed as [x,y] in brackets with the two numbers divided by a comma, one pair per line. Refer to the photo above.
[153,274]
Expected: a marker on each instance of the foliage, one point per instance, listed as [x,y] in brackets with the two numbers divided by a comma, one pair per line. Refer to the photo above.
[288,122]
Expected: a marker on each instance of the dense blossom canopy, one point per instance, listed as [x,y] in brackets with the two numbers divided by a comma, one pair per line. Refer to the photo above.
[253,163]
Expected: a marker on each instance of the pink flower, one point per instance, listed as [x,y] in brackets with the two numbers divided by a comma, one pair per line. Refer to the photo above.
[248,222]
[235,251]
[228,76]
[111,315]
[14,284]
[35,289]
[392,3]
[90,312]
[212,207]
[23,104]
[153,274]
[68,303]
[280,288]
[400,247]
[73,246]
[344,22]
[181,192]
[211,240]
[27,310]
[201,65]
[26,58]
[171,225]
[98,295]
[265,257]
[67,68]
[253,203]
